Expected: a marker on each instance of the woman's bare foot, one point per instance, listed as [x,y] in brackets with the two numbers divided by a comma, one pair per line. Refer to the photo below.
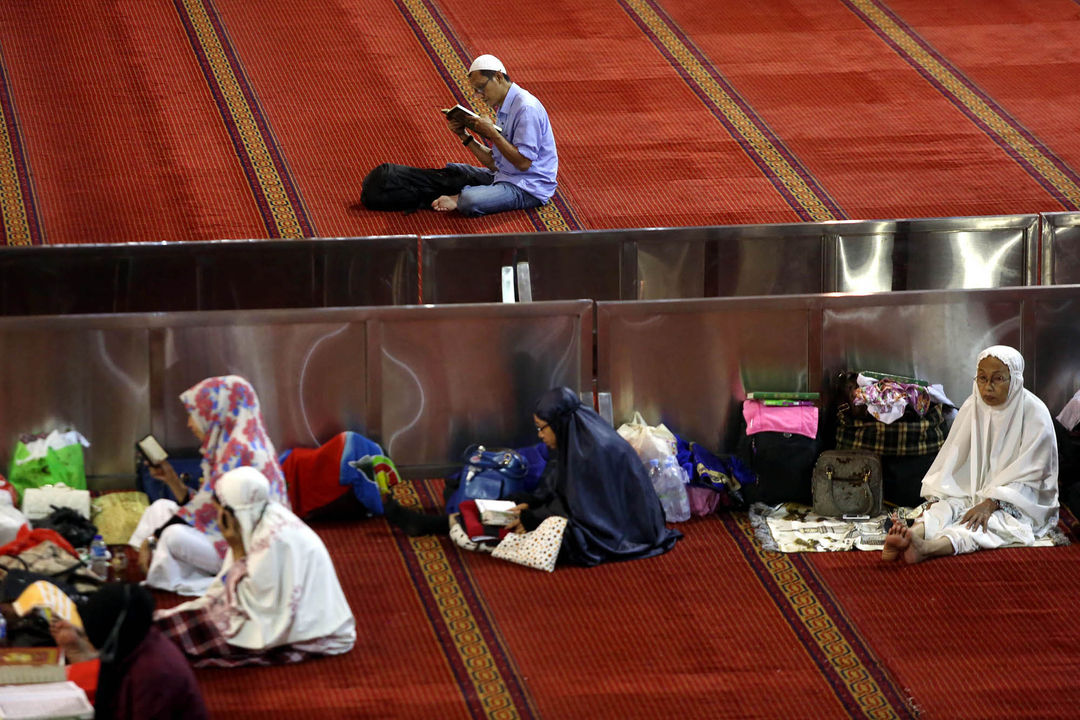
[897,541]
[445,203]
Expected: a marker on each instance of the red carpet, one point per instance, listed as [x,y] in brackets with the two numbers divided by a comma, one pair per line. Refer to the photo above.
[715,628]
[207,119]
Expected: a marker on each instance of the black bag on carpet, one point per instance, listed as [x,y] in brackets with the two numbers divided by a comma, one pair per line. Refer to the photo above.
[401,188]
[783,464]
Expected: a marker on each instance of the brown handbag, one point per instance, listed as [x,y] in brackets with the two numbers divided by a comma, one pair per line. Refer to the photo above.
[847,483]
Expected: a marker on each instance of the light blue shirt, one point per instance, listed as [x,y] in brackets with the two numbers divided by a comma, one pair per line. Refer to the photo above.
[524,122]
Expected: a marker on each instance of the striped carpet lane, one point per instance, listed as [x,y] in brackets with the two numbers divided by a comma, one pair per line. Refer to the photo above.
[451,59]
[803,193]
[856,676]
[276,195]
[488,680]
[18,211]
[1061,181]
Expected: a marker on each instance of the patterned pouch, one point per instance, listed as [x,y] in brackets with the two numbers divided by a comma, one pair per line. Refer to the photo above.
[538,549]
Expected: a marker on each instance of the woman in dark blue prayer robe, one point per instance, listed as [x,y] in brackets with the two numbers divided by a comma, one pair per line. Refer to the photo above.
[595,480]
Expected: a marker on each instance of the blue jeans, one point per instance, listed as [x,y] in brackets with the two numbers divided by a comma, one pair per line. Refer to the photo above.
[483,196]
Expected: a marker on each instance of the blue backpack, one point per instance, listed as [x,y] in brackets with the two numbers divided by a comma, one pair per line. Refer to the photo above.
[488,474]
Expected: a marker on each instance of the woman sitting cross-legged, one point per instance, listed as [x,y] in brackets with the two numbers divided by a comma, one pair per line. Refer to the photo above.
[277,598]
[593,478]
[994,481]
[181,545]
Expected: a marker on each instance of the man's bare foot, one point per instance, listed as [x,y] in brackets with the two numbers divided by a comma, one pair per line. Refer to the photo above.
[445,203]
[897,541]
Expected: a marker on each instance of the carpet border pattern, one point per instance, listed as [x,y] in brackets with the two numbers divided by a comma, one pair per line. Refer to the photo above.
[276,195]
[802,192]
[21,225]
[855,674]
[1050,171]
[449,56]
[488,681]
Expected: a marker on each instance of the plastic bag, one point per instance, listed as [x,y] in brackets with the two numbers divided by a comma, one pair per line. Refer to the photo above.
[650,443]
[55,458]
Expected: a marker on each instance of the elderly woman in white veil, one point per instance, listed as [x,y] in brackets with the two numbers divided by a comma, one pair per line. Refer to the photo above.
[277,598]
[995,480]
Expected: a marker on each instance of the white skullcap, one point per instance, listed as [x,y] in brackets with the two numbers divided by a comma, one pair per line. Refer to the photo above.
[487,62]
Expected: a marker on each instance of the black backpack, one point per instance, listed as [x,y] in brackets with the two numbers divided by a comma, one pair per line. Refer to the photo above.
[400,188]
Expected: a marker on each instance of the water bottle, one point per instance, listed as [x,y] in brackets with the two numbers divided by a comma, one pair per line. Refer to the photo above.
[99,558]
[672,491]
[3,629]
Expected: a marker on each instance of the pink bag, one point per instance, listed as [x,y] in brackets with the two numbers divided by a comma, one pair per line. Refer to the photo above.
[703,501]
[768,418]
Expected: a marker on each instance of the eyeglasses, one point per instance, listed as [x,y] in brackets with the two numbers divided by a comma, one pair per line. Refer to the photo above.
[480,90]
[995,380]
[542,428]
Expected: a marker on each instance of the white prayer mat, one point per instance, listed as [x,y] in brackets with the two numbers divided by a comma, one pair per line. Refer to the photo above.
[790,527]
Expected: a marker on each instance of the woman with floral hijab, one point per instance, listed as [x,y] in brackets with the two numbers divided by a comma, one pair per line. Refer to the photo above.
[182,543]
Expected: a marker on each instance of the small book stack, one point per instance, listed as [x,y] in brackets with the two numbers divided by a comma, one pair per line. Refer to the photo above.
[22,665]
[485,519]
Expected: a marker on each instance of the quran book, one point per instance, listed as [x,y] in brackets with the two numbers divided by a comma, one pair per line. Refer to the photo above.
[496,512]
[19,665]
[152,450]
[463,115]
[792,395]
[45,700]
[904,379]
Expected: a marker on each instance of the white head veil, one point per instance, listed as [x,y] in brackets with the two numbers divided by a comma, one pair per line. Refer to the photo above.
[285,590]
[1006,452]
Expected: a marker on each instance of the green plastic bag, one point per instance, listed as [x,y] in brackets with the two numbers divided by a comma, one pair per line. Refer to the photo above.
[49,460]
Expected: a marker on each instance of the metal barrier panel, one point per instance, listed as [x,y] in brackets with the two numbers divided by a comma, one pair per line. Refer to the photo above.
[562,266]
[446,377]
[224,275]
[1055,367]
[933,336]
[426,382]
[60,373]
[1061,248]
[933,254]
[685,362]
[309,370]
[690,363]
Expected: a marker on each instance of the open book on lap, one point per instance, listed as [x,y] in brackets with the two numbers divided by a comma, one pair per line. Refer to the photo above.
[463,115]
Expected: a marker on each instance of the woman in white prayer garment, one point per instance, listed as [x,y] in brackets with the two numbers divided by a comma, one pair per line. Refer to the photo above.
[995,480]
[277,598]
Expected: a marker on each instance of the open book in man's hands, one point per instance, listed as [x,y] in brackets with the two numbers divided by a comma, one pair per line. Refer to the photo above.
[463,115]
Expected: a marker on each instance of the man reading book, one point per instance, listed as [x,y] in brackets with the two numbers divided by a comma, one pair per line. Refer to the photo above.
[521,163]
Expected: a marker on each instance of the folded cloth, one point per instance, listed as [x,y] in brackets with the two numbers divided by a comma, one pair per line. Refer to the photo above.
[799,419]
[1070,414]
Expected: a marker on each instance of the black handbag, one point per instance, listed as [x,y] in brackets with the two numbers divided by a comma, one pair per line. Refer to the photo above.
[401,188]
[782,463]
[847,483]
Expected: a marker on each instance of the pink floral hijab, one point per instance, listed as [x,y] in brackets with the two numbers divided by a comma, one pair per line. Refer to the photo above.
[226,411]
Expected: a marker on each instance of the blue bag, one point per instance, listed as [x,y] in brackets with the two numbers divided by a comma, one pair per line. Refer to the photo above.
[488,474]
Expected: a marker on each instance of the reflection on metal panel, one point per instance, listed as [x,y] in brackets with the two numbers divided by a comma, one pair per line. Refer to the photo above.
[1055,367]
[221,275]
[64,375]
[935,341]
[1061,248]
[310,377]
[933,254]
[685,363]
[449,379]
